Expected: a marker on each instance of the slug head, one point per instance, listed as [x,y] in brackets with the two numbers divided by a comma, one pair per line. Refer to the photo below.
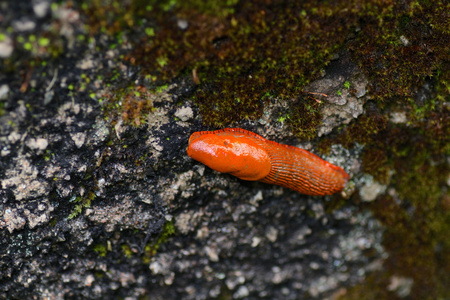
[230,153]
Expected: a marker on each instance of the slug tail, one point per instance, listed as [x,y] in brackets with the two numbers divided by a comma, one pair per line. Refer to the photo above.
[302,171]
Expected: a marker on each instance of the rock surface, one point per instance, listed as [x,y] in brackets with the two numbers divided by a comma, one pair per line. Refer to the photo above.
[85,204]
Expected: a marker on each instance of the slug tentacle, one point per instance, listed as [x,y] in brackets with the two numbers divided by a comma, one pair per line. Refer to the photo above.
[249,156]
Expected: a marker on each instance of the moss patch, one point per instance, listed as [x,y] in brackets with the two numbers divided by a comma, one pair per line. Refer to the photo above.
[80,204]
[417,215]
[401,44]
[128,104]
[100,249]
[305,117]
[152,247]
[236,52]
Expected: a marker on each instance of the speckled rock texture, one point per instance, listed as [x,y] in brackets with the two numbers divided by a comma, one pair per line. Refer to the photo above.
[88,206]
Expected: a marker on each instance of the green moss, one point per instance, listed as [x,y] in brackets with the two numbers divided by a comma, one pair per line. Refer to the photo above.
[417,226]
[363,131]
[257,49]
[47,45]
[417,219]
[80,204]
[411,159]
[375,161]
[417,241]
[237,53]
[2,108]
[127,251]
[100,249]
[400,47]
[253,61]
[130,104]
[43,42]
[305,117]
[152,247]
[48,155]
[373,288]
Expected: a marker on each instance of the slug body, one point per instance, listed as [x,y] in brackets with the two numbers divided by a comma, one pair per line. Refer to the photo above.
[249,156]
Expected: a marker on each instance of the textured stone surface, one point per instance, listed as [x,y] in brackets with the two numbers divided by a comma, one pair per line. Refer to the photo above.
[80,198]
[345,89]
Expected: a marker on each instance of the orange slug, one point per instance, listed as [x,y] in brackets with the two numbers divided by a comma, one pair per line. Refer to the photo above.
[249,156]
